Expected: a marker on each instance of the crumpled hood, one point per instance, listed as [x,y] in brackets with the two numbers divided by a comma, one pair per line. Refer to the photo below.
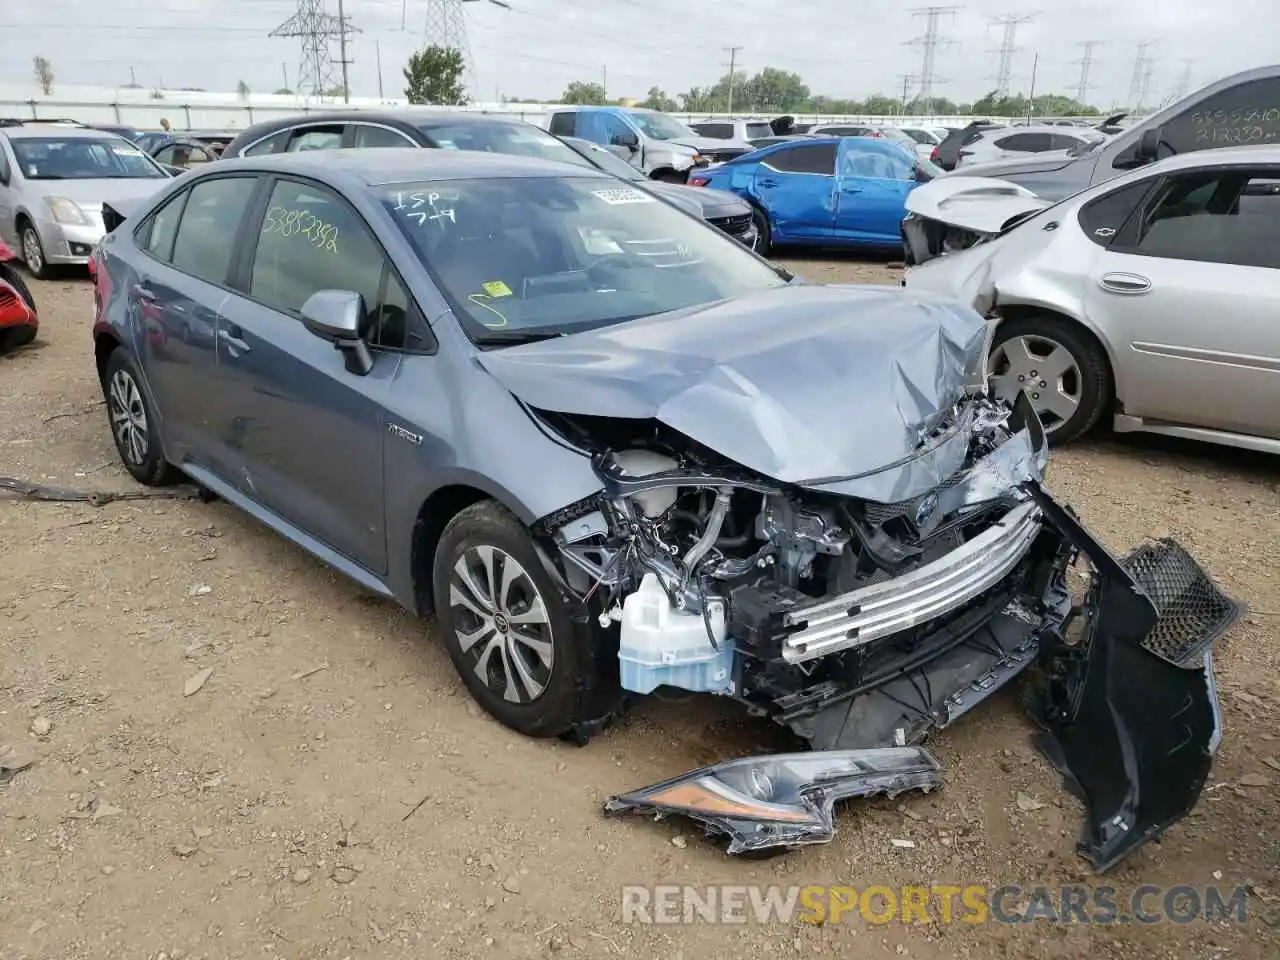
[703,200]
[980,204]
[1037,163]
[712,145]
[808,385]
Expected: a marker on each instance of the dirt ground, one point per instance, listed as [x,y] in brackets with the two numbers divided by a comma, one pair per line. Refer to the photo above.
[330,791]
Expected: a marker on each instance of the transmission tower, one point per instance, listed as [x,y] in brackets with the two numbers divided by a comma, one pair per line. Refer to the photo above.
[929,41]
[316,29]
[1008,47]
[1140,75]
[446,25]
[1085,63]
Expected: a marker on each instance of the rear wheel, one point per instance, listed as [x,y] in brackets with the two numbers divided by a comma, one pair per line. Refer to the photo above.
[504,623]
[1062,369]
[764,236]
[134,424]
[14,279]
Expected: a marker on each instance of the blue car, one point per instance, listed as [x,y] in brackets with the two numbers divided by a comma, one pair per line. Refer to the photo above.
[837,191]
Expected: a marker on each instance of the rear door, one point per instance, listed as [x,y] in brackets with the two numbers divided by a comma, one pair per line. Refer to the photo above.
[311,432]
[796,186]
[1189,293]
[873,180]
[180,285]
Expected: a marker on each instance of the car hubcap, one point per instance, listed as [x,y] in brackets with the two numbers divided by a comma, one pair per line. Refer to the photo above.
[31,251]
[501,623]
[129,418]
[1046,370]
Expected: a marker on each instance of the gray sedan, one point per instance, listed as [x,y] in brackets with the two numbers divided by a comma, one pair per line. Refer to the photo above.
[614,450]
[1151,298]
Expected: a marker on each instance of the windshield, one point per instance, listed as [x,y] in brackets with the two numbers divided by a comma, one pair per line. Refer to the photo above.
[659,126]
[528,258]
[82,158]
[609,162]
[497,136]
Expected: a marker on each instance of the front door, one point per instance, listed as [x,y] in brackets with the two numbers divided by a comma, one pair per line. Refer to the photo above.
[873,180]
[1189,291]
[796,186]
[310,432]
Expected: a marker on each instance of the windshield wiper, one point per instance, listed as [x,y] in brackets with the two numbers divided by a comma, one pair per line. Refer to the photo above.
[512,337]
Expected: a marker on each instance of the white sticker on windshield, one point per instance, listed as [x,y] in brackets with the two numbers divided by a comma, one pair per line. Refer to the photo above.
[620,195]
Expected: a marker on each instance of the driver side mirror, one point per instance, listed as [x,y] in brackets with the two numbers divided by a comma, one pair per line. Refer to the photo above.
[626,138]
[1146,150]
[337,316]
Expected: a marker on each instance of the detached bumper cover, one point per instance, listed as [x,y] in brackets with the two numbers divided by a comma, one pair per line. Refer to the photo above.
[784,800]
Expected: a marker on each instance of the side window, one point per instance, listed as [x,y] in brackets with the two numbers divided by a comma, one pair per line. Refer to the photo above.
[808,158]
[562,124]
[166,155]
[156,235]
[206,234]
[1102,218]
[391,328]
[717,131]
[1221,216]
[4,165]
[615,127]
[1062,141]
[312,240]
[1245,113]
[864,157]
[371,136]
[198,156]
[316,138]
[1025,142]
[271,144]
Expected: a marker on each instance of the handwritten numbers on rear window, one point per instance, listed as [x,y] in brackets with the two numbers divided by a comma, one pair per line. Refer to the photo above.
[424,208]
[301,223]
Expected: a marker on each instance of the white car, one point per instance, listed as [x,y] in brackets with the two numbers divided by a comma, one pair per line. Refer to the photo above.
[1150,298]
[1005,143]
[926,139]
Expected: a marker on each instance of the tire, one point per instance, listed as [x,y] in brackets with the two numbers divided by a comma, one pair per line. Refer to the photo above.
[484,639]
[764,234]
[33,252]
[133,423]
[14,279]
[1023,345]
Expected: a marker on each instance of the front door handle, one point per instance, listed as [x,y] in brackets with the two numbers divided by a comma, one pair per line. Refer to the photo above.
[144,292]
[1126,284]
[850,189]
[232,337]
[767,182]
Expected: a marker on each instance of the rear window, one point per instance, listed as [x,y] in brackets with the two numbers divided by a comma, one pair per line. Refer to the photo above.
[756,131]
[562,124]
[497,136]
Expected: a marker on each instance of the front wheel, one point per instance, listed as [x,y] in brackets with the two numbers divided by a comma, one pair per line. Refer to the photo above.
[33,253]
[1062,369]
[504,623]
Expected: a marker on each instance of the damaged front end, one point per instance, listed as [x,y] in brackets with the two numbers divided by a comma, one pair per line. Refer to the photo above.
[957,212]
[865,624]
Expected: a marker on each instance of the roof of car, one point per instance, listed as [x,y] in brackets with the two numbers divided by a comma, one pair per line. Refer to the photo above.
[384,165]
[1268,153]
[58,131]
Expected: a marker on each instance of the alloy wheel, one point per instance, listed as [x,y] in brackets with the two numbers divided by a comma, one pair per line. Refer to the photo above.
[501,623]
[129,418]
[32,252]
[1046,370]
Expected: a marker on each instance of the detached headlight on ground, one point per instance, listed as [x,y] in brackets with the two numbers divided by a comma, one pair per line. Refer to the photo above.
[784,800]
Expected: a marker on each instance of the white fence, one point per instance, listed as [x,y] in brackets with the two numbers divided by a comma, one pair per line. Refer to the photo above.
[203,110]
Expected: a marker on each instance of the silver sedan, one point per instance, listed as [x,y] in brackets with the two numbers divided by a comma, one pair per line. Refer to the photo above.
[1151,298]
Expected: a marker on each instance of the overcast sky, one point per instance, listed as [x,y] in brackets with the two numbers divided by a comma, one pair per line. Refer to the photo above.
[840,48]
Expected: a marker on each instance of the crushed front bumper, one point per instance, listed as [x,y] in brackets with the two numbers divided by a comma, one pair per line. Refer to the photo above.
[1126,704]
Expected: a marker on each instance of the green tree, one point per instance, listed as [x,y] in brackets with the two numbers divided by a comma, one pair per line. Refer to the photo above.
[775,91]
[334,91]
[587,94]
[879,105]
[242,90]
[43,70]
[434,75]
[658,100]
[283,92]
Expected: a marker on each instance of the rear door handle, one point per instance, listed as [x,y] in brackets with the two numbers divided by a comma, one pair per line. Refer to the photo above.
[232,336]
[144,292]
[1126,284]
[850,189]
[767,182]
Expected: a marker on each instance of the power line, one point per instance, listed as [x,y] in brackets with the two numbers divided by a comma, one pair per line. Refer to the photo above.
[929,41]
[1008,46]
[315,28]
[1085,63]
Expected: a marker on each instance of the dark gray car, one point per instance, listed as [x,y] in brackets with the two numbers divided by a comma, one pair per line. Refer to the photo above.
[613,450]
